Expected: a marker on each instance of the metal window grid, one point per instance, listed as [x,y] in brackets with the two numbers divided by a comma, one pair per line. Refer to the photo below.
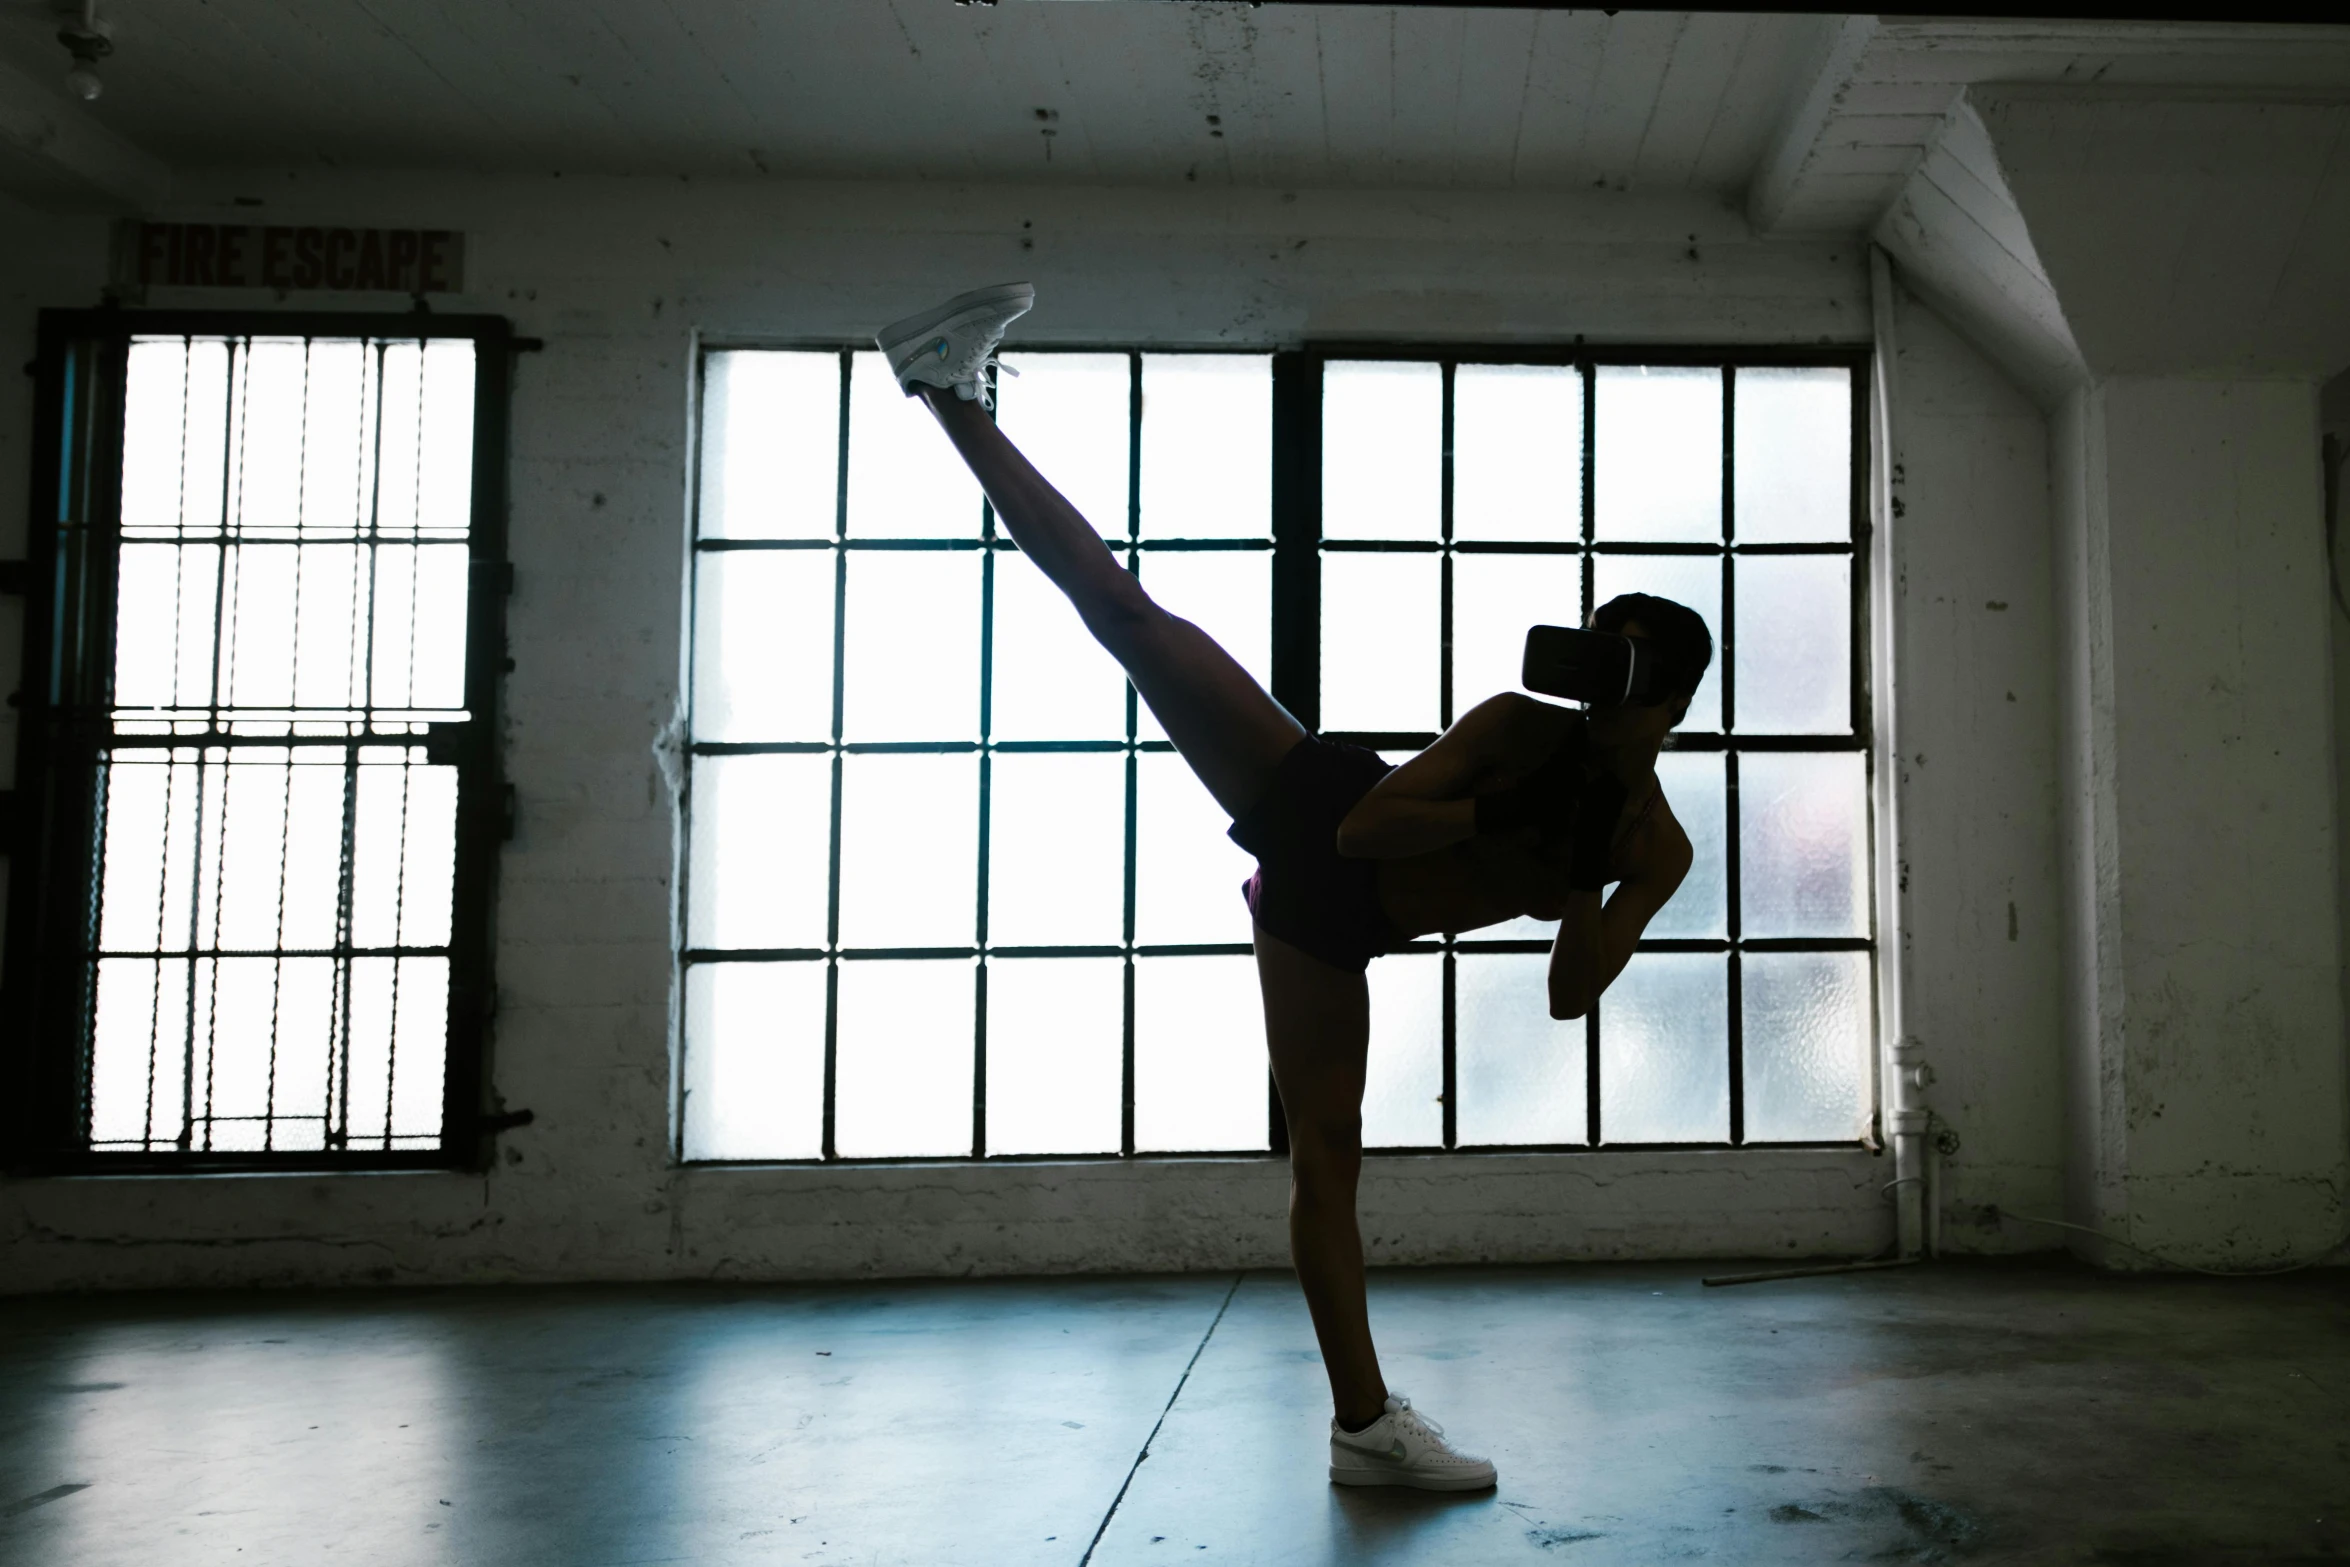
[1296,547]
[75,738]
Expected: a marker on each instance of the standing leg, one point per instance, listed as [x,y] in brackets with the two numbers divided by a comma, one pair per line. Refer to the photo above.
[1227,728]
[1318,1025]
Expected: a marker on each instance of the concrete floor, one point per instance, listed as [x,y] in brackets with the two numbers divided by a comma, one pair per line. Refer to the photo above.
[2016,1413]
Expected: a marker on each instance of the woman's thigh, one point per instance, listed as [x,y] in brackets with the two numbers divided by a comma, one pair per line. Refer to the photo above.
[1318,1031]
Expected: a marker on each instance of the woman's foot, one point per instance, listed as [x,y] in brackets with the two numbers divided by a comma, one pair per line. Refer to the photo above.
[1402,1448]
[949,345]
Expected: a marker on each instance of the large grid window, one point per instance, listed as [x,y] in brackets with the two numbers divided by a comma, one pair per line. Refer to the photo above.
[252,936]
[950,893]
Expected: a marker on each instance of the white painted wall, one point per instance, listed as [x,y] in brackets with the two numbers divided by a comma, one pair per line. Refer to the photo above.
[618,277]
[1977,890]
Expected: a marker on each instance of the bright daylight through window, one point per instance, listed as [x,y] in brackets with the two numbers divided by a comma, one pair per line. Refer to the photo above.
[264,947]
[950,893]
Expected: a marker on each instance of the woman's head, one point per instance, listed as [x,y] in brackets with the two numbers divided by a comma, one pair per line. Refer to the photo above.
[1678,640]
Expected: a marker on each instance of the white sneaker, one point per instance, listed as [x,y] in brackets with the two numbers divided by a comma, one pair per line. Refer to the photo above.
[1402,1447]
[950,345]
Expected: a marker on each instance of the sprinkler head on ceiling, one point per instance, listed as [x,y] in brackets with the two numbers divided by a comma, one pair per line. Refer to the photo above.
[88,40]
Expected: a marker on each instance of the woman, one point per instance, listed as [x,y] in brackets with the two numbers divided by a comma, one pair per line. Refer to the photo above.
[1520,808]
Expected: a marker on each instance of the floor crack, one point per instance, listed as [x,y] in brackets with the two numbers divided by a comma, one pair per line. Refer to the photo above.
[1135,1467]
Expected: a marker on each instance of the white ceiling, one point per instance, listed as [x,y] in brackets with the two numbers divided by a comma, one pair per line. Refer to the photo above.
[929,89]
[1812,121]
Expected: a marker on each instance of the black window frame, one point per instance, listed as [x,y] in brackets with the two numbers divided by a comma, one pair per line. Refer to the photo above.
[53,827]
[1296,546]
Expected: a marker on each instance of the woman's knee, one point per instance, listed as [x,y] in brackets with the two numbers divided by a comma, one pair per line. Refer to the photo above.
[1326,1148]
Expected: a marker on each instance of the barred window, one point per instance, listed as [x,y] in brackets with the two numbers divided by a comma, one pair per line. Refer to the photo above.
[256,769]
[950,893]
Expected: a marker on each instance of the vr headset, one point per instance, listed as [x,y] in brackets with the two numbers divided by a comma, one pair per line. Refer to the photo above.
[1596,667]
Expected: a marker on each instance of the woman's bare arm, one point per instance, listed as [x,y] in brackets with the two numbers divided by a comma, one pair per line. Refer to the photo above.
[1594,943]
[1430,801]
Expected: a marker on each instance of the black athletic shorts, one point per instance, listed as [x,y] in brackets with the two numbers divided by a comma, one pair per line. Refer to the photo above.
[1304,891]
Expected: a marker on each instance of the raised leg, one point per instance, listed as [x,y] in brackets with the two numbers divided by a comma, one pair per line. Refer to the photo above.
[1318,1027]
[1231,732]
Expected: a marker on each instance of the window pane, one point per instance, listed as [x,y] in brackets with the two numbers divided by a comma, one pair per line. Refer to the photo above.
[760,869]
[1803,844]
[905,480]
[1807,1045]
[910,652]
[425,449]
[754,1061]
[1693,580]
[399,1040]
[1700,910]
[1794,644]
[1495,599]
[156,435]
[1382,450]
[1226,593]
[763,645]
[770,445]
[1207,446]
[163,616]
[902,1060]
[909,850]
[1069,414]
[1056,1032]
[1187,873]
[1380,627]
[1200,1079]
[403,851]
[1056,847]
[1664,1050]
[1794,444]
[1517,453]
[1052,681]
[1403,1094]
[419,656]
[1521,1073]
[265,486]
[1658,454]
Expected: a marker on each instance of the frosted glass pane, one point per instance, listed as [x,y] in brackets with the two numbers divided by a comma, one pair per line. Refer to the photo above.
[424,480]
[1068,413]
[1382,450]
[770,445]
[419,656]
[754,1061]
[1226,593]
[1794,644]
[909,851]
[910,652]
[1380,633]
[399,1037]
[1200,1079]
[1052,680]
[1658,454]
[760,866]
[337,428]
[1695,581]
[1207,446]
[902,1054]
[1056,1031]
[1803,844]
[1403,1091]
[1664,1050]
[1495,598]
[1807,1046]
[1517,453]
[155,434]
[1187,872]
[905,479]
[1692,783]
[1794,445]
[1056,847]
[1520,1072]
[763,645]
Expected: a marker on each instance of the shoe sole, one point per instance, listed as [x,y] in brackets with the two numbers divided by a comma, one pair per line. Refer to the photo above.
[980,301]
[1349,1476]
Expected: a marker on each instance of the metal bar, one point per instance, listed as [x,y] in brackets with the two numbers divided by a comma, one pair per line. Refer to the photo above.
[840,603]
[1734,976]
